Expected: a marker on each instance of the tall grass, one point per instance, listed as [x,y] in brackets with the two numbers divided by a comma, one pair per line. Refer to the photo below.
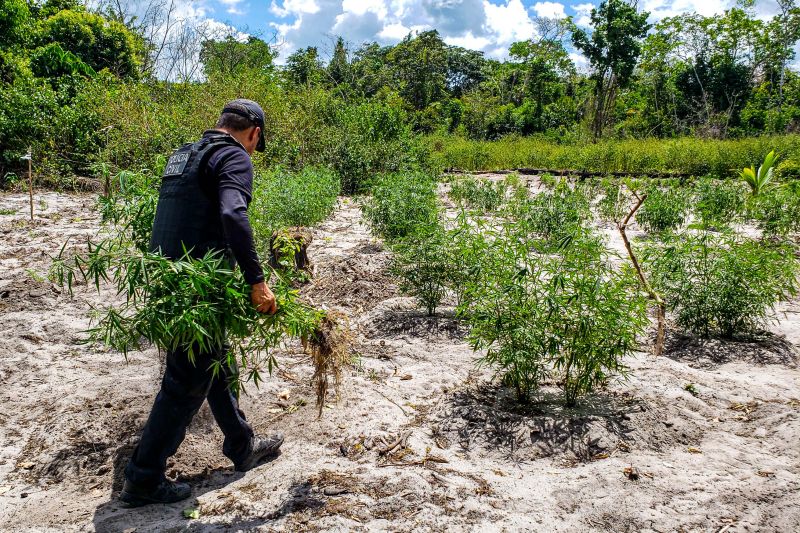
[698,157]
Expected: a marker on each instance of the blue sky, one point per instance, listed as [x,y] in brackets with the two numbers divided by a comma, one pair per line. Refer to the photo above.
[487,25]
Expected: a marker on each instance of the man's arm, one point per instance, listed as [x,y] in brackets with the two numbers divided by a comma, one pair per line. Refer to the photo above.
[234,171]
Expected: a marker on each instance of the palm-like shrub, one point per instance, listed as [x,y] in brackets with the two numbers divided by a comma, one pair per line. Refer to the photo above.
[759,180]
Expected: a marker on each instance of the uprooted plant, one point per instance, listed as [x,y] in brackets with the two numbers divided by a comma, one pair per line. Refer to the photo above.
[193,304]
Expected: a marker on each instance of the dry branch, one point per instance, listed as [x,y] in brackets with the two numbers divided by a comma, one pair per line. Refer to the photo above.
[658,348]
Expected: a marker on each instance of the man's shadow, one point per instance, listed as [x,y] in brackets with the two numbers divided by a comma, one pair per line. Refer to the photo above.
[112,516]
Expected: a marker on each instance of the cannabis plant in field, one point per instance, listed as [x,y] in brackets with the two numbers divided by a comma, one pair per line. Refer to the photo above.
[193,304]
[552,215]
[475,193]
[401,203]
[664,210]
[777,212]
[284,198]
[422,264]
[722,285]
[567,315]
[759,180]
[718,203]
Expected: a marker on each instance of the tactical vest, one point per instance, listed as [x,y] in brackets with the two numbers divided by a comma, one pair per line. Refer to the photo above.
[187,215]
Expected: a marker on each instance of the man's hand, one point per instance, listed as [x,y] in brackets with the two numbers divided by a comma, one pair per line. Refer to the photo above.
[263,299]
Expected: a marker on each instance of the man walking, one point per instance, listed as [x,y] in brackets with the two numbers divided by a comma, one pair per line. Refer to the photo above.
[202,206]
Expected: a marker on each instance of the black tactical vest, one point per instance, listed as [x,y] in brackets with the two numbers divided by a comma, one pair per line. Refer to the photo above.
[187,215]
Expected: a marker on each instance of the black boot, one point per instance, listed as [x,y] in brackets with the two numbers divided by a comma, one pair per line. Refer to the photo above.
[165,492]
[260,449]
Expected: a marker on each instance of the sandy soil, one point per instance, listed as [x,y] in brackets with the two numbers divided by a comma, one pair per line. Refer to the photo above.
[725,458]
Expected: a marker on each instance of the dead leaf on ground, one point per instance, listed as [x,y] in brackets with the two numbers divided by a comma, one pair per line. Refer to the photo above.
[692,449]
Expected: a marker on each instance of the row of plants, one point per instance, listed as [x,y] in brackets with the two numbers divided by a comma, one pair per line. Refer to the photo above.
[689,156]
[531,280]
[544,298]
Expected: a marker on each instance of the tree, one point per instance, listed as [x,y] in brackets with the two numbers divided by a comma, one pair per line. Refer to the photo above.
[14,15]
[612,49]
[98,42]
[229,57]
[419,65]
[304,67]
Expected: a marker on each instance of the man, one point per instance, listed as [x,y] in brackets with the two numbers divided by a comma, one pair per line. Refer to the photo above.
[205,191]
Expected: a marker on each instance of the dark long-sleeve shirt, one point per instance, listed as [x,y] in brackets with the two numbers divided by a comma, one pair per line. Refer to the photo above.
[233,169]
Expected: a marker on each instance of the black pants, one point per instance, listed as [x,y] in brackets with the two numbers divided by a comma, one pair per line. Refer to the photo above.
[184,388]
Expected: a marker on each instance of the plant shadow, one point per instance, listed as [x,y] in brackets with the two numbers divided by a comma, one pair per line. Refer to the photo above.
[762,348]
[489,419]
[416,323]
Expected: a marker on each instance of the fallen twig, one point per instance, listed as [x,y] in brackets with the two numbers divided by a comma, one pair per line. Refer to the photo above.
[395,443]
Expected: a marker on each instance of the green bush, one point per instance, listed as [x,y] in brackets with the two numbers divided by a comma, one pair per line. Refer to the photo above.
[282,199]
[721,284]
[422,264]
[664,209]
[552,215]
[788,170]
[689,155]
[718,202]
[400,204]
[568,316]
[777,212]
[478,193]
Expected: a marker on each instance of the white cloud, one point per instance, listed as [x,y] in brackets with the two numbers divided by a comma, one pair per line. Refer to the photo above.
[660,9]
[293,7]
[506,24]
[583,12]
[550,9]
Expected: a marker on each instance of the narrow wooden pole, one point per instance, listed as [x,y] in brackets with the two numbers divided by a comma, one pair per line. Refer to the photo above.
[30,179]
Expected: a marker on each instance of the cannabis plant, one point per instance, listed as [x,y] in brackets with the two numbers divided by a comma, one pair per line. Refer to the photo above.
[421,263]
[718,203]
[664,210]
[193,304]
[481,194]
[568,315]
[401,203]
[721,284]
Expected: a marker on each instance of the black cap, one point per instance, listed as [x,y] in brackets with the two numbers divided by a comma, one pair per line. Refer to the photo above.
[251,111]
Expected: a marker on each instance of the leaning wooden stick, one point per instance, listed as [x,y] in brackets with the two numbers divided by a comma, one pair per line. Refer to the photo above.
[29,157]
[658,348]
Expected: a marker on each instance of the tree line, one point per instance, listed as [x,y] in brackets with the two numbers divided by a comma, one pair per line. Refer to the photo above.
[723,76]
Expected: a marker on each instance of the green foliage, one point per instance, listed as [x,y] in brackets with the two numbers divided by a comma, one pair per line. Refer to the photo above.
[421,263]
[718,202]
[567,316]
[553,215]
[690,155]
[721,285]
[478,193]
[52,61]
[282,199]
[229,57]
[787,170]
[760,179]
[613,203]
[400,204]
[190,304]
[14,15]
[664,209]
[98,42]
[777,212]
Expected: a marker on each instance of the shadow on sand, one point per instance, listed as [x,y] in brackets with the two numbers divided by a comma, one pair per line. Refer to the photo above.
[490,419]
[759,349]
